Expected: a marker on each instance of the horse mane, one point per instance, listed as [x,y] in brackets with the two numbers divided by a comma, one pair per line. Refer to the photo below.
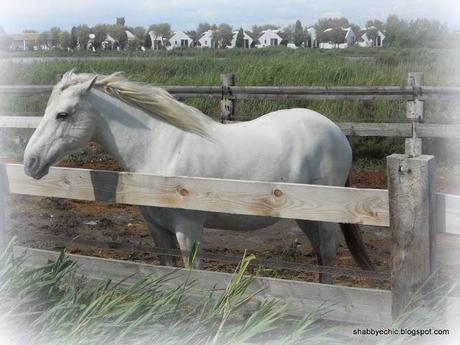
[153,100]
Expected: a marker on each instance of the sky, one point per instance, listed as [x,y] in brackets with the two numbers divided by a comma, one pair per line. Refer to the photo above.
[17,15]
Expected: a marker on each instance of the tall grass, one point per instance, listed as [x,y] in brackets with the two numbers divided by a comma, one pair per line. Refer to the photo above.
[279,67]
[53,305]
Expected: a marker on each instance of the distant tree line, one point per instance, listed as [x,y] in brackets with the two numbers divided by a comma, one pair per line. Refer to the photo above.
[398,33]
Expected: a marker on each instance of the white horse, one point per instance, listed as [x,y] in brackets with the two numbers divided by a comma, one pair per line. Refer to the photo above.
[147,131]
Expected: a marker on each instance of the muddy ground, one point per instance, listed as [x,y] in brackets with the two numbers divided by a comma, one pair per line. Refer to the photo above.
[34,219]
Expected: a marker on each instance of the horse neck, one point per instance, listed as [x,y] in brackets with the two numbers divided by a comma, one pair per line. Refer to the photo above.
[130,135]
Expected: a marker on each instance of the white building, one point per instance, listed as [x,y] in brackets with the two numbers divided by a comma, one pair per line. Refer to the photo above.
[269,38]
[130,35]
[109,42]
[349,40]
[247,40]
[180,40]
[350,37]
[22,41]
[367,42]
[206,40]
[312,41]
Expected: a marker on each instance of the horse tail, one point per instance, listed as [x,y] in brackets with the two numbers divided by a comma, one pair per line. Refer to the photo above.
[355,243]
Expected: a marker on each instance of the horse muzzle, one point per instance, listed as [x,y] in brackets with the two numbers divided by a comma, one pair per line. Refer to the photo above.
[34,168]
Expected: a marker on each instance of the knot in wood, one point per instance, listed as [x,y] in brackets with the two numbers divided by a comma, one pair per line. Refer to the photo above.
[277,192]
[183,192]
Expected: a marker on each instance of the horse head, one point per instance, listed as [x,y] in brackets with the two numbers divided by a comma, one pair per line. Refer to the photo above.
[67,125]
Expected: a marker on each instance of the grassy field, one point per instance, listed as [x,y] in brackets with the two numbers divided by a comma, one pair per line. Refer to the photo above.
[277,67]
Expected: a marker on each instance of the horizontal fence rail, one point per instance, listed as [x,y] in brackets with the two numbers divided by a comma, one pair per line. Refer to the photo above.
[269,199]
[349,128]
[272,199]
[60,241]
[446,243]
[285,92]
[9,121]
[424,130]
[448,213]
[348,304]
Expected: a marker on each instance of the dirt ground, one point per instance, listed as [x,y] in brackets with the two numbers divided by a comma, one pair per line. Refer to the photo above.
[34,219]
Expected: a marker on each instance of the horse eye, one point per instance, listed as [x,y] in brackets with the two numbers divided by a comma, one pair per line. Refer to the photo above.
[62,115]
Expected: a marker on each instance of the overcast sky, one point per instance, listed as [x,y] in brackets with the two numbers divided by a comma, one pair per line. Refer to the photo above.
[17,15]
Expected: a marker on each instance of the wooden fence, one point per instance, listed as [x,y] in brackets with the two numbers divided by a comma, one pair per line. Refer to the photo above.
[228,93]
[416,215]
[424,130]
[335,204]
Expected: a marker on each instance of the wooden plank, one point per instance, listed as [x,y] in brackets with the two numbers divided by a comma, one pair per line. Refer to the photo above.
[273,92]
[325,90]
[3,193]
[25,90]
[65,242]
[400,130]
[439,93]
[448,213]
[330,97]
[411,196]
[349,128]
[15,113]
[428,130]
[322,93]
[447,254]
[376,129]
[20,121]
[357,305]
[415,108]
[272,199]
[415,114]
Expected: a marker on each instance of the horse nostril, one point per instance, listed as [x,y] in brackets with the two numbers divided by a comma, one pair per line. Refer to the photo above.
[32,163]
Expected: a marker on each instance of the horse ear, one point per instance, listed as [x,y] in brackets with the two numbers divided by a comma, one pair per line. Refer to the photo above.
[87,85]
[68,74]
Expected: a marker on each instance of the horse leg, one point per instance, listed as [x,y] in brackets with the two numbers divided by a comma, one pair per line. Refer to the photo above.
[324,243]
[163,237]
[188,234]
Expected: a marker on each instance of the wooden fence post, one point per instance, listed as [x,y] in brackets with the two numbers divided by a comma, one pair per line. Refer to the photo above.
[415,113]
[3,192]
[227,103]
[412,215]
